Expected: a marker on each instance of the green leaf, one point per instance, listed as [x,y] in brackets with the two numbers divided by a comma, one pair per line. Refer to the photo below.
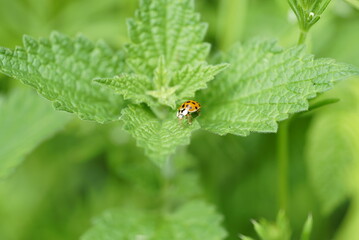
[307,228]
[158,138]
[280,230]
[195,220]
[165,96]
[25,121]
[62,69]
[130,86]
[161,78]
[243,237]
[166,47]
[184,84]
[332,149]
[167,28]
[192,78]
[162,91]
[264,85]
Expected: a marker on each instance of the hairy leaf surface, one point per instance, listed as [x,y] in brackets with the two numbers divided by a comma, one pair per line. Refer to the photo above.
[192,78]
[169,29]
[195,220]
[130,86]
[62,69]
[264,85]
[158,138]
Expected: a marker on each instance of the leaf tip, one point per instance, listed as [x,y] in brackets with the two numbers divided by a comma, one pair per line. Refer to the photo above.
[29,42]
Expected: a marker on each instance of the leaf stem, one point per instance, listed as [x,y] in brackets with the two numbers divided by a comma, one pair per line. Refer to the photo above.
[283,159]
[282,152]
[302,37]
[167,176]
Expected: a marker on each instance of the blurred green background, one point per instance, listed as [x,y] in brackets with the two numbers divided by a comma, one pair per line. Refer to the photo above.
[86,168]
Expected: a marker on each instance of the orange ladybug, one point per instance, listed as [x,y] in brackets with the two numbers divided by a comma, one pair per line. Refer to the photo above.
[187,108]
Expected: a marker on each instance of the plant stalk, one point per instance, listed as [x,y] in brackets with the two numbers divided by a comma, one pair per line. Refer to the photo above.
[283,152]
[302,37]
[283,159]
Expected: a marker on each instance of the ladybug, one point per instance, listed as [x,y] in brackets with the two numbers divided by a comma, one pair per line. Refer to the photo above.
[187,108]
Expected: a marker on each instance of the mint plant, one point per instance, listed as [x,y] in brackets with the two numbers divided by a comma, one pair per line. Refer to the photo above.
[129,223]
[264,85]
[280,230]
[61,70]
[164,64]
[249,88]
[308,12]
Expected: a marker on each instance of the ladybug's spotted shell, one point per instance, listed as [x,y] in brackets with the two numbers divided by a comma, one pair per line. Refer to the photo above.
[190,105]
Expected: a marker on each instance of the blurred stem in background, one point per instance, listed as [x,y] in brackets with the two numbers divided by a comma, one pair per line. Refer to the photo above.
[308,13]
[231,22]
[283,159]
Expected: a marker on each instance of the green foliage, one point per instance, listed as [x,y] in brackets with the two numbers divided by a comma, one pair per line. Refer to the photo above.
[166,28]
[193,78]
[89,168]
[175,212]
[159,138]
[139,88]
[331,147]
[62,69]
[264,85]
[167,45]
[308,12]
[280,230]
[130,86]
[307,228]
[165,64]
[196,220]
[25,122]
[54,174]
